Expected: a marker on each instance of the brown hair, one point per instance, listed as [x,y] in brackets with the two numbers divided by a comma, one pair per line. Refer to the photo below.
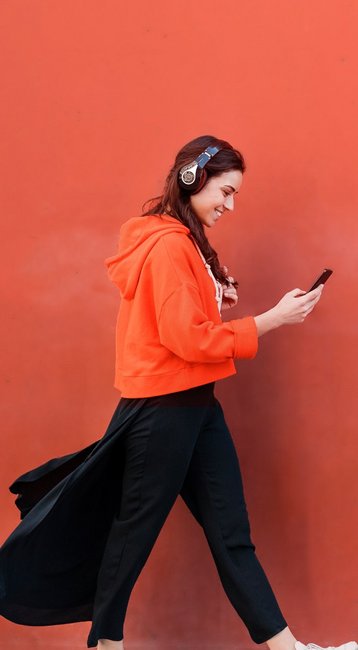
[176,202]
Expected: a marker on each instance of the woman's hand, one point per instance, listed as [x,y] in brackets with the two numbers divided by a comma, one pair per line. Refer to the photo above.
[292,308]
[230,297]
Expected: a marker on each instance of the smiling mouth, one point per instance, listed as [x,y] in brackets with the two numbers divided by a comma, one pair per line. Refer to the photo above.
[218,212]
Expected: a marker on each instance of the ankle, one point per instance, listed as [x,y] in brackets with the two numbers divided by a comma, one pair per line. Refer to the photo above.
[107,644]
[284,640]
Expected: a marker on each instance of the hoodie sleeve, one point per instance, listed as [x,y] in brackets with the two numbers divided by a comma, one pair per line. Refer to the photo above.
[184,329]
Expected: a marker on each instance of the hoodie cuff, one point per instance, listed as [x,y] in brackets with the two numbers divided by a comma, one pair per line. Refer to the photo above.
[246,337]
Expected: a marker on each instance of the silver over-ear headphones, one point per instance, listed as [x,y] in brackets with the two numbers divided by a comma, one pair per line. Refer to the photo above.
[192,177]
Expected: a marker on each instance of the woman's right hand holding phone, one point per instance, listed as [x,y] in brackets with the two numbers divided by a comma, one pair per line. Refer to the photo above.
[293,307]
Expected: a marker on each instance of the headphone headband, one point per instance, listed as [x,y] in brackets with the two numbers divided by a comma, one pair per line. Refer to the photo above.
[205,156]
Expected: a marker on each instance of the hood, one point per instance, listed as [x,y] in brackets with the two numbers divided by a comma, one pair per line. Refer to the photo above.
[137,236]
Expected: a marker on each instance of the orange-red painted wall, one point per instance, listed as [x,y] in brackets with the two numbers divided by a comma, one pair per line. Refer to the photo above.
[97,97]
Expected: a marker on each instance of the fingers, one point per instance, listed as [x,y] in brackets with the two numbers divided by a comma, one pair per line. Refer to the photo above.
[308,309]
[297,292]
[308,297]
[230,297]
[230,293]
[228,277]
[311,302]
[313,296]
[316,292]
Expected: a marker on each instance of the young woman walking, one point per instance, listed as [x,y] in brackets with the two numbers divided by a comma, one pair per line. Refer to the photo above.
[168,435]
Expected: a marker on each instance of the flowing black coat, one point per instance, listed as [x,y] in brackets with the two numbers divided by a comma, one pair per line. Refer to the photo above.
[50,562]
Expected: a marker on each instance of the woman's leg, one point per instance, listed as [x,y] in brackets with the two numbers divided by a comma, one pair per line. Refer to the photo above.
[110,645]
[158,448]
[284,640]
[213,491]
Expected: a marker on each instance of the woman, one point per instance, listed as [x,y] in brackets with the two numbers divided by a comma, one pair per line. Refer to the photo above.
[168,435]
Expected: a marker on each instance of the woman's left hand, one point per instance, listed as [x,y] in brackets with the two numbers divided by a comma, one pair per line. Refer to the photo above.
[230,297]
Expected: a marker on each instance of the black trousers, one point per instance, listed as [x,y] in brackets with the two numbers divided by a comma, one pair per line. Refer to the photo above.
[180,444]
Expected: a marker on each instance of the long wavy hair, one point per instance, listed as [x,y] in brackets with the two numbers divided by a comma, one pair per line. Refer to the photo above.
[176,202]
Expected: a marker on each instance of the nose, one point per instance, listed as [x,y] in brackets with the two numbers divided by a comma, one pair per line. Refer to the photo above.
[229,202]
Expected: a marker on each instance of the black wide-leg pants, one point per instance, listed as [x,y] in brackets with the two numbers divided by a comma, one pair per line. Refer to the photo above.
[179,443]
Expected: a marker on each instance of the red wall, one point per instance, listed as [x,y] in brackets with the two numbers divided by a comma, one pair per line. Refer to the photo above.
[96,99]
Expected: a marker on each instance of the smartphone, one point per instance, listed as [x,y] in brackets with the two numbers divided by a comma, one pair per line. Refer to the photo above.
[321,279]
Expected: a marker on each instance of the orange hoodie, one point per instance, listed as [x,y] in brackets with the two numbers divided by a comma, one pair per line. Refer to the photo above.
[169,332]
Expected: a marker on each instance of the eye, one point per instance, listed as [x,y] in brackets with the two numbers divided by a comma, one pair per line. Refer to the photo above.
[225,193]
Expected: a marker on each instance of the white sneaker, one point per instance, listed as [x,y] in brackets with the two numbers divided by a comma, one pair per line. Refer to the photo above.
[351,645]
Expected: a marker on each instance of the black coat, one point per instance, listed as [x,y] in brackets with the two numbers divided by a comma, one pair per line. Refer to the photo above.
[50,562]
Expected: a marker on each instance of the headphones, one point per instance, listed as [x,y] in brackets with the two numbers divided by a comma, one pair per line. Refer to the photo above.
[192,177]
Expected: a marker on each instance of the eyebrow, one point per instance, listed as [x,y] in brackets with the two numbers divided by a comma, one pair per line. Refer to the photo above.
[232,188]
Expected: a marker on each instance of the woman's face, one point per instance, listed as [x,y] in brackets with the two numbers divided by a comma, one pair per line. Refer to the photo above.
[216,196]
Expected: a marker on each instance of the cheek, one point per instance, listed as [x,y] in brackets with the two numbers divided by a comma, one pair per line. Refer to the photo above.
[207,200]
[213,199]
[218,198]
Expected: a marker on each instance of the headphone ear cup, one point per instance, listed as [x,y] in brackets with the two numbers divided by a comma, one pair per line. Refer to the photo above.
[202,178]
[191,175]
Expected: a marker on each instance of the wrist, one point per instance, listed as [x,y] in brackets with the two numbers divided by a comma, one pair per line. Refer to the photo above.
[267,321]
[275,319]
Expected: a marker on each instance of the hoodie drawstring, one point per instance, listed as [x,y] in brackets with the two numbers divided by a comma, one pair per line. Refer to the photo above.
[217,284]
